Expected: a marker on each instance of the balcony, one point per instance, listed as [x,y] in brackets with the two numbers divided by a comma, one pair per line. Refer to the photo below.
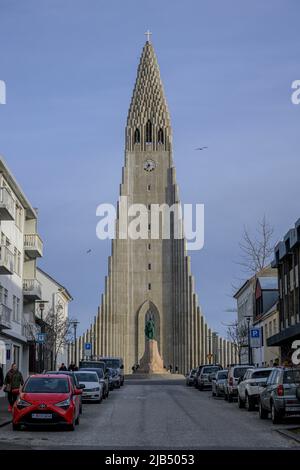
[7,205]
[33,245]
[6,260]
[5,317]
[32,289]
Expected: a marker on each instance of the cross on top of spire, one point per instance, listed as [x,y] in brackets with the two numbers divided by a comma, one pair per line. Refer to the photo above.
[148,34]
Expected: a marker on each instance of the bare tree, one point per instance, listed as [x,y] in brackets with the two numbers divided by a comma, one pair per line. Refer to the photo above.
[238,335]
[58,332]
[257,250]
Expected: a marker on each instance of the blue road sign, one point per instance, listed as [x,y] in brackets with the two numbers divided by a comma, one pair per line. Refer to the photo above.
[41,337]
[255,338]
[255,332]
[87,346]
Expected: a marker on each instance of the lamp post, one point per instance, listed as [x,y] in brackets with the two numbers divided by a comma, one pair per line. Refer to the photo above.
[75,323]
[41,304]
[249,346]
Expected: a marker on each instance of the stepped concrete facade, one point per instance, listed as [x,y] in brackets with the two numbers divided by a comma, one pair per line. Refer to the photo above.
[151,277]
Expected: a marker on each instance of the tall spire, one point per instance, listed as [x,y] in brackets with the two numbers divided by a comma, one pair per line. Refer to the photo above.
[148,120]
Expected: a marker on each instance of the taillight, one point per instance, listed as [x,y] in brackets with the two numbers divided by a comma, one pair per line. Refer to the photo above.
[280,390]
[231,381]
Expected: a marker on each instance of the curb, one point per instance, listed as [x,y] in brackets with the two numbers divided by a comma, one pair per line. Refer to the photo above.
[288,434]
[5,423]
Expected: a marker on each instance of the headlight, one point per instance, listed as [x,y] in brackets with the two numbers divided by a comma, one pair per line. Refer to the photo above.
[64,404]
[22,404]
[96,389]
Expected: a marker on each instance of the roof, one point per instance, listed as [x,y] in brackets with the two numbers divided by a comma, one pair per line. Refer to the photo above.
[60,286]
[31,212]
[268,283]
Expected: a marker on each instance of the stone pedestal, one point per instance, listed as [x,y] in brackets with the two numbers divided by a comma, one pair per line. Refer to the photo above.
[151,362]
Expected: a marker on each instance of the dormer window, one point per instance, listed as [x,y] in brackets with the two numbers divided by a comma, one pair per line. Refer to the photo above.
[148,132]
[160,136]
[137,136]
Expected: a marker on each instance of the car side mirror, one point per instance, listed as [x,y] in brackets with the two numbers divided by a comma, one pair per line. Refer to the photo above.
[77,391]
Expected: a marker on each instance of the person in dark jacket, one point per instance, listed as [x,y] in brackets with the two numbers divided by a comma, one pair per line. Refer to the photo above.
[63,367]
[13,381]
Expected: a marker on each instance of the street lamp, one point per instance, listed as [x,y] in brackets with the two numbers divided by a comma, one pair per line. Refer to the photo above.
[75,323]
[41,304]
[249,346]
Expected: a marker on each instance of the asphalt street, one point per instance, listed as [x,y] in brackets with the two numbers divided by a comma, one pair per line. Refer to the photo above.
[158,415]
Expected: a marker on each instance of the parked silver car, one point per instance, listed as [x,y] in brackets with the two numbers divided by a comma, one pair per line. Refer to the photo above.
[235,372]
[190,376]
[218,382]
[251,385]
[206,375]
[281,397]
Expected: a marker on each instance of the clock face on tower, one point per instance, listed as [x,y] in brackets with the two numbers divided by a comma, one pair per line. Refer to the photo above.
[149,165]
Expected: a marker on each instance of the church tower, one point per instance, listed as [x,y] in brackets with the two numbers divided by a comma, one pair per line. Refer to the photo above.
[151,278]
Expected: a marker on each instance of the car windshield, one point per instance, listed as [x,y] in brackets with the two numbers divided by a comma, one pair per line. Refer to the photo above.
[291,376]
[70,374]
[210,370]
[239,372]
[87,377]
[46,385]
[113,363]
[222,375]
[261,374]
[99,372]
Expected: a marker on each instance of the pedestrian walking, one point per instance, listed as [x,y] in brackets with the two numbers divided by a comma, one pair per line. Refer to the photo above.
[63,367]
[13,381]
[71,367]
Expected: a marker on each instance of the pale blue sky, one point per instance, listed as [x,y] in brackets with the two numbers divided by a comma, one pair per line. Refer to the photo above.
[227,68]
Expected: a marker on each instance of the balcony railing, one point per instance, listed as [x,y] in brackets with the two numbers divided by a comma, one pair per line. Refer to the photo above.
[5,317]
[33,245]
[6,260]
[32,289]
[7,205]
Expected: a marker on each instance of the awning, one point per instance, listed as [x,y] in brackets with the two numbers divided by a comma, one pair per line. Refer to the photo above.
[2,352]
[288,334]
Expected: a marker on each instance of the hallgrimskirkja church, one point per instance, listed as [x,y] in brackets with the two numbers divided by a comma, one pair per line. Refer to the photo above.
[150,279]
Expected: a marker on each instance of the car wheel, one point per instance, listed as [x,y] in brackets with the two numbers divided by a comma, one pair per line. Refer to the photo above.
[230,398]
[213,394]
[249,403]
[276,417]
[263,414]
[71,427]
[16,427]
[241,403]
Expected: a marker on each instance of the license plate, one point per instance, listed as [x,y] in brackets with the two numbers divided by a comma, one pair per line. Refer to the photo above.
[41,415]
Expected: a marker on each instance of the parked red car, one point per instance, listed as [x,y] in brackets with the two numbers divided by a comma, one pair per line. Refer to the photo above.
[48,400]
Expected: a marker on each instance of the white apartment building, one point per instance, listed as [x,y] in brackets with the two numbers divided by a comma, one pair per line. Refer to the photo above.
[20,246]
[57,299]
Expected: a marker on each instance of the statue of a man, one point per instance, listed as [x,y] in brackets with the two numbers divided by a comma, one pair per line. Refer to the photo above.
[150,329]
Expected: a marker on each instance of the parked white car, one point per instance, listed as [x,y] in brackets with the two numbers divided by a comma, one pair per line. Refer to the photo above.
[251,385]
[93,388]
[235,372]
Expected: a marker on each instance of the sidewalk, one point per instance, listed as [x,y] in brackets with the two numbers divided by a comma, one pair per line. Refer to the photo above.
[5,416]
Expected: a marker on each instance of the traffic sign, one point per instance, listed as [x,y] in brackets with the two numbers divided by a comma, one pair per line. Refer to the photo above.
[88,349]
[255,337]
[41,337]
